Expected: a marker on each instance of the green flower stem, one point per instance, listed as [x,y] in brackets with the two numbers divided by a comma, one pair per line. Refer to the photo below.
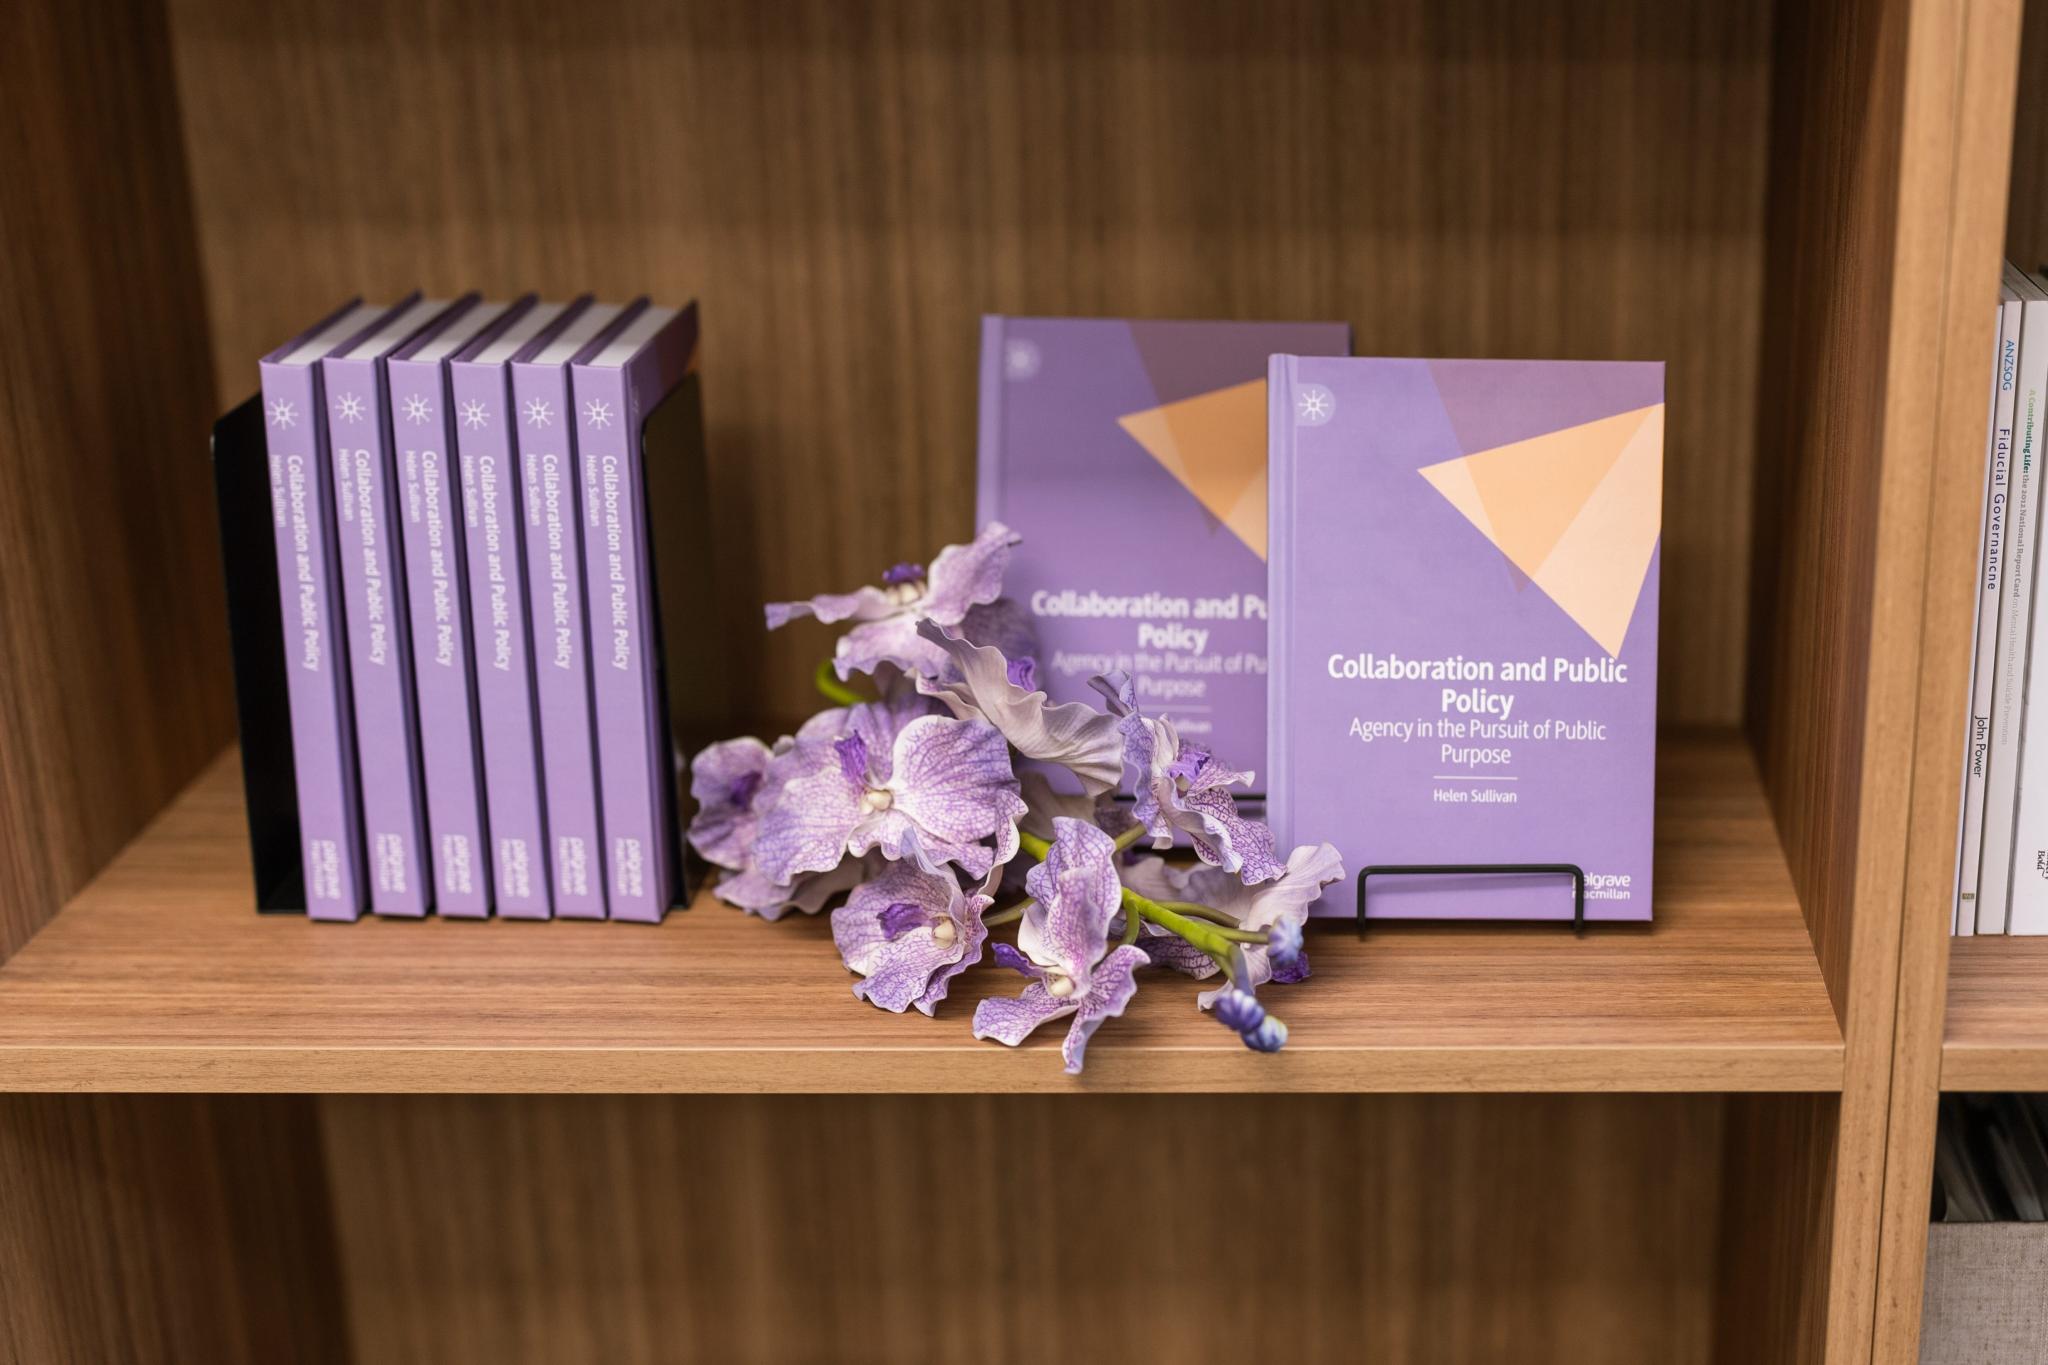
[1007,914]
[1202,912]
[1209,938]
[831,688]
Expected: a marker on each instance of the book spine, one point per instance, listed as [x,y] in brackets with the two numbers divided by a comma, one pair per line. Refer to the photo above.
[1983,665]
[316,657]
[1279,544]
[380,658]
[2027,906]
[988,483]
[622,674]
[503,636]
[444,678]
[561,666]
[2015,618]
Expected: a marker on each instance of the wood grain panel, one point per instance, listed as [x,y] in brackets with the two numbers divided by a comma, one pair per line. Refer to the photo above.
[113,677]
[2026,223]
[166,1229]
[1777,1209]
[1986,78]
[161,977]
[847,186]
[1865,164]
[1567,1229]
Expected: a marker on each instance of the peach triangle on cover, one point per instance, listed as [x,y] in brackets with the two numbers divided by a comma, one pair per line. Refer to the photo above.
[1578,510]
[1215,444]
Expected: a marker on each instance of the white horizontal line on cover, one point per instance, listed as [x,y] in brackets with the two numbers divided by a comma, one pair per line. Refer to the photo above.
[1455,777]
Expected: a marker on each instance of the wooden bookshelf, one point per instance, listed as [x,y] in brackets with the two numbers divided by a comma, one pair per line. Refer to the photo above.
[1996,1034]
[159,977]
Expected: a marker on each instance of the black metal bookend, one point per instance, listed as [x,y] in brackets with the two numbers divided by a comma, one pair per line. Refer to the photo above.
[1572,870]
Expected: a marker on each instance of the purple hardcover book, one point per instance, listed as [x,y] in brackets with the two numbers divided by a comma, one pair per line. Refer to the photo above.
[1464,635]
[514,779]
[316,657]
[616,382]
[554,597]
[373,589]
[437,588]
[1165,423]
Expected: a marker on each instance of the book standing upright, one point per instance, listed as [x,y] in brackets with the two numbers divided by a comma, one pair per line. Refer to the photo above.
[437,589]
[615,384]
[373,588]
[316,656]
[555,600]
[2015,616]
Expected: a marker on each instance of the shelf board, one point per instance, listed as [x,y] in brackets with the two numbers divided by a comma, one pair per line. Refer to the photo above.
[1996,1036]
[159,977]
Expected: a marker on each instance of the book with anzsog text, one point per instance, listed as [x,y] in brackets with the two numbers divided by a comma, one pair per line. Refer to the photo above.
[1464,578]
[315,646]
[379,624]
[437,591]
[615,383]
[554,599]
[1164,424]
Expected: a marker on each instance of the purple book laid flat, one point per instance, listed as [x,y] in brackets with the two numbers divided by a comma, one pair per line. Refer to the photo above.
[437,586]
[616,382]
[309,579]
[514,778]
[373,587]
[554,598]
[1165,424]
[1464,634]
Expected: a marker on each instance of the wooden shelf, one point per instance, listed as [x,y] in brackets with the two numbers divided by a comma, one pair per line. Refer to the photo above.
[158,977]
[1996,1036]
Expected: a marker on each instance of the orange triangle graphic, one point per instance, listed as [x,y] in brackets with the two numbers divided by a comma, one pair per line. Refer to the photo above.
[1214,444]
[1579,511]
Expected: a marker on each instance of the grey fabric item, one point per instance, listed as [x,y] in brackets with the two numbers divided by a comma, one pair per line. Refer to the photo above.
[1987,1294]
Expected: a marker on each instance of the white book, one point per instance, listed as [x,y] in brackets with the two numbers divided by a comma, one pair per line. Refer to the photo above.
[1990,561]
[2028,913]
[2015,615]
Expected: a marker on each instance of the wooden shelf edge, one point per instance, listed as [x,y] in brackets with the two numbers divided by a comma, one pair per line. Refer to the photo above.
[936,1070]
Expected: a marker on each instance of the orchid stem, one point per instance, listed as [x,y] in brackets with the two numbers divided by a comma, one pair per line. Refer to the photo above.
[1007,914]
[831,688]
[1202,912]
[1209,938]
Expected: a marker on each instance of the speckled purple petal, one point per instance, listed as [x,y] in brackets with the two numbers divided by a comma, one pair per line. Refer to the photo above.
[1075,894]
[1074,735]
[953,778]
[964,576]
[1002,625]
[867,647]
[725,778]
[912,967]
[1114,983]
[807,828]
[1229,840]
[862,604]
[1011,1019]
[1176,953]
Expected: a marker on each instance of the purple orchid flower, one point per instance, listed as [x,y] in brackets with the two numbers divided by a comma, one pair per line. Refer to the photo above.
[1280,907]
[929,788]
[1063,946]
[908,933]
[962,578]
[807,894]
[727,780]
[986,685]
[1181,787]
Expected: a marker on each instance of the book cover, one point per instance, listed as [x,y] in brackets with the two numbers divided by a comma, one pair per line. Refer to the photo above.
[373,593]
[1984,656]
[437,590]
[501,631]
[1165,424]
[309,589]
[555,600]
[615,383]
[1464,560]
[2015,617]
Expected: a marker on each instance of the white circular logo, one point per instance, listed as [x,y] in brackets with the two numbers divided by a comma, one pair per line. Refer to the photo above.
[1314,405]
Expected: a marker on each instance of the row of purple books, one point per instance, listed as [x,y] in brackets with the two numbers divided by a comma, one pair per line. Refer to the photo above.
[474,684]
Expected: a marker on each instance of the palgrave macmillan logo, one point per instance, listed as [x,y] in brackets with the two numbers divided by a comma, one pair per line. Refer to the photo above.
[1314,405]
[1607,886]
